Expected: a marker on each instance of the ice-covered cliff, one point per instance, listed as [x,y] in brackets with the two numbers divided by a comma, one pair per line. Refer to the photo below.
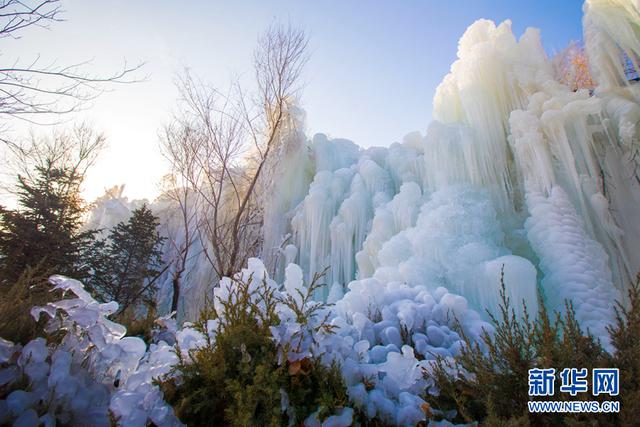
[517,173]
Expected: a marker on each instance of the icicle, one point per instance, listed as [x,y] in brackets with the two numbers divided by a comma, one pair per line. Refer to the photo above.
[611,33]
[575,266]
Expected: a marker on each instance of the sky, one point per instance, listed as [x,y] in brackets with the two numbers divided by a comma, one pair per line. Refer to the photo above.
[372,74]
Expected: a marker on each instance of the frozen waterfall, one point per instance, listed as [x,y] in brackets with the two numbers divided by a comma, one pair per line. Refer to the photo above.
[517,175]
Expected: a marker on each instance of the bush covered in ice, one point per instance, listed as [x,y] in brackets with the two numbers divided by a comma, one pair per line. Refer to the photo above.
[260,350]
[258,363]
[87,373]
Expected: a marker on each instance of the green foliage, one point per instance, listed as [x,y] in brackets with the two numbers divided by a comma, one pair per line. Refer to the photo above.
[45,229]
[625,338]
[488,380]
[139,324]
[39,238]
[360,418]
[31,289]
[240,378]
[43,237]
[127,263]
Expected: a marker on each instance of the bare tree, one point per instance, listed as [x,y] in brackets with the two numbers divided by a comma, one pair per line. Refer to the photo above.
[76,149]
[37,92]
[181,195]
[182,238]
[227,139]
[17,15]
[73,150]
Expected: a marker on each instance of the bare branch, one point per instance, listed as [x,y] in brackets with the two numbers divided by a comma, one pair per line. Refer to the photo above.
[15,15]
[39,93]
[77,150]
[220,143]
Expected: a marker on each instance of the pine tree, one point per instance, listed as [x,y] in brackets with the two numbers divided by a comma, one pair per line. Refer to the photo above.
[126,264]
[45,229]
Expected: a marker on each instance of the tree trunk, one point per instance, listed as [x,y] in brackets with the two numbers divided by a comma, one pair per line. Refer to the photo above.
[176,291]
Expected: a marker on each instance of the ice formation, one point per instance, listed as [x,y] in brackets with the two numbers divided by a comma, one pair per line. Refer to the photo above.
[611,28]
[517,173]
[467,200]
[93,370]
[518,179]
[96,368]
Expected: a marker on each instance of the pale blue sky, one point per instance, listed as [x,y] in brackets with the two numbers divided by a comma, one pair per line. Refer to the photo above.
[373,71]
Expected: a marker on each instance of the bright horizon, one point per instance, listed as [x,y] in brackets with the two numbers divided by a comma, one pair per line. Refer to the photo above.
[371,78]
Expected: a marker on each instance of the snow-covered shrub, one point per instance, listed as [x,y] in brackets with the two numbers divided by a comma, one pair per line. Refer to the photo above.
[260,363]
[262,353]
[92,375]
[386,339]
[383,337]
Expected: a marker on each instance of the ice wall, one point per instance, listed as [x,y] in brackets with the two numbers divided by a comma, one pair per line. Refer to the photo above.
[377,217]
[612,40]
[283,190]
[611,31]
[110,209]
[493,75]
[574,266]
[517,176]
[551,172]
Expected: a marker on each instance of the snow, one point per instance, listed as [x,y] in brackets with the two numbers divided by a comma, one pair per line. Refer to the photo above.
[518,181]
